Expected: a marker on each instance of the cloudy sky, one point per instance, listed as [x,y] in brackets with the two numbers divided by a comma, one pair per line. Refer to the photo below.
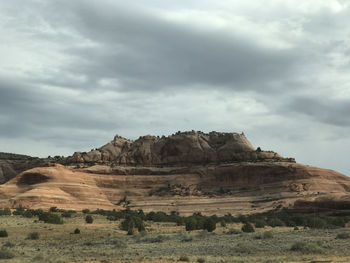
[75,73]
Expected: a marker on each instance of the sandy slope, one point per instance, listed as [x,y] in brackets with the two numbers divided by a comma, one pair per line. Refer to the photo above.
[214,189]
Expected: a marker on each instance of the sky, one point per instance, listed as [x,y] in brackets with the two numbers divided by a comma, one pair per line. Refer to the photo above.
[75,73]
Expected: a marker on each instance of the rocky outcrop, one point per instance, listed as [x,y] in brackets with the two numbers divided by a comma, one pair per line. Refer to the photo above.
[182,148]
[13,164]
[236,188]
[214,173]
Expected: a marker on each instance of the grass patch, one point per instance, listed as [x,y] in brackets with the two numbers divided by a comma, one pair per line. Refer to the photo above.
[33,236]
[6,254]
[343,235]
[306,248]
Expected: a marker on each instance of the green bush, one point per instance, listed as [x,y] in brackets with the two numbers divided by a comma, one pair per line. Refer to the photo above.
[19,211]
[5,254]
[185,237]
[184,258]
[191,224]
[77,231]
[33,236]
[53,209]
[8,244]
[27,214]
[265,235]
[273,222]
[86,211]
[3,233]
[119,243]
[316,222]
[66,214]
[233,231]
[50,218]
[5,212]
[248,228]
[89,219]
[306,248]
[157,239]
[209,225]
[343,236]
[223,223]
[131,223]
[260,223]
[244,248]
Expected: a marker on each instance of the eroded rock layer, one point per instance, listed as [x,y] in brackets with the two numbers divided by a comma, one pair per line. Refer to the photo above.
[178,149]
[215,173]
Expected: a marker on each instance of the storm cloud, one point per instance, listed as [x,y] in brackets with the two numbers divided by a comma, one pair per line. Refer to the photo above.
[74,73]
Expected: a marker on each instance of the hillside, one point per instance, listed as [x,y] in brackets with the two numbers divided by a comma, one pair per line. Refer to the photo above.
[215,173]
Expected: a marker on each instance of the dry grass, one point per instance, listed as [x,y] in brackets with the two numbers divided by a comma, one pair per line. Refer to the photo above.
[102,241]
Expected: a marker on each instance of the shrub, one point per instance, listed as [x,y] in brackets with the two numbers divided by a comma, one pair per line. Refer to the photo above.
[77,231]
[27,214]
[119,243]
[86,211]
[306,247]
[33,236]
[209,225]
[53,209]
[315,222]
[248,228]
[273,222]
[296,228]
[186,238]
[201,260]
[191,224]
[157,239]
[184,258]
[343,236]
[5,212]
[131,222]
[8,244]
[265,235]
[3,233]
[244,248]
[260,223]
[5,254]
[19,211]
[223,224]
[50,218]
[66,214]
[89,219]
[233,231]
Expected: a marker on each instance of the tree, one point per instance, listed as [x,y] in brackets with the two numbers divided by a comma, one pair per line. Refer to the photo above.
[209,224]
[191,224]
[248,228]
[89,219]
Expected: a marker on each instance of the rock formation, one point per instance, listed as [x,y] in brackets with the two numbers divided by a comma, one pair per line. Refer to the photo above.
[215,173]
[13,164]
[182,148]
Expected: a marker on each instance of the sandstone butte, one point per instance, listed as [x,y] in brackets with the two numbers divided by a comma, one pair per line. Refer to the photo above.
[215,173]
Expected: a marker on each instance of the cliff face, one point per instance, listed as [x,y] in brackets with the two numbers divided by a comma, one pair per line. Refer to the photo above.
[179,149]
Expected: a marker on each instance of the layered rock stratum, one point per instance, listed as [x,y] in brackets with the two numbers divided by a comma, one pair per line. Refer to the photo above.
[214,173]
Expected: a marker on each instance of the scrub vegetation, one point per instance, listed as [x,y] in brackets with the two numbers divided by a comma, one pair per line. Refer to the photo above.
[135,236]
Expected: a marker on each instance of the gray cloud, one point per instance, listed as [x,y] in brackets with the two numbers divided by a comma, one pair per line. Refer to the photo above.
[74,73]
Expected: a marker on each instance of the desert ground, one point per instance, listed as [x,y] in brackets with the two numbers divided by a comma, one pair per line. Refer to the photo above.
[103,241]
